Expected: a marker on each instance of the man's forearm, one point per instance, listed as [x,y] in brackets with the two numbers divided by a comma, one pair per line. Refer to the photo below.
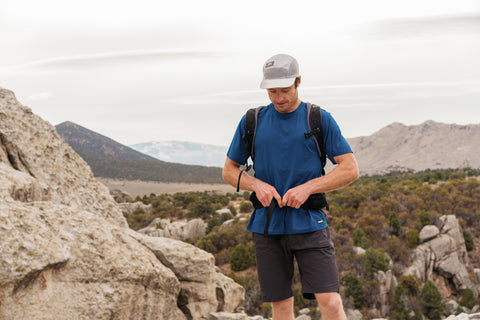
[230,174]
[265,192]
[345,173]
[342,175]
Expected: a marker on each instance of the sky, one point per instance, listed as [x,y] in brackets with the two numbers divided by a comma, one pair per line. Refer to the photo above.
[187,70]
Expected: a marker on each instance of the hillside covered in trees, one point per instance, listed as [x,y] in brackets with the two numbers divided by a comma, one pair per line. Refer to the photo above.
[375,224]
[110,159]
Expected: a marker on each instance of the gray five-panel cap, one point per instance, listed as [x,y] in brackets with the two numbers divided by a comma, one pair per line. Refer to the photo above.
[280,71]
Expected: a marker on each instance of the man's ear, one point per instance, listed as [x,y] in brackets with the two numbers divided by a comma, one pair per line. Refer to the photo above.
[298,80]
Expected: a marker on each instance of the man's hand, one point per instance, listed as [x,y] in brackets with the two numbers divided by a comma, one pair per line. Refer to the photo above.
[295,197]
[265,193]
[343,174]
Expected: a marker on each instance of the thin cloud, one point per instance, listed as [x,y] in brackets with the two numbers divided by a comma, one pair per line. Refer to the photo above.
[396,84]
[392,91]
[348,92]
[40,96]
[433,25]
[109,58]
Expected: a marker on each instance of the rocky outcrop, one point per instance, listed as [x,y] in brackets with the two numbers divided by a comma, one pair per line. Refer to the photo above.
[70,263]
[66,250]
[203,288]
[386,282]
[442,257]
[398,147]
[179,230]
[428,233]
[128,207]
[52,170]
[353,314]
[464,316]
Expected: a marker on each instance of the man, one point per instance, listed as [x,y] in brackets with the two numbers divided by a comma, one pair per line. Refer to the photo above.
[288,170]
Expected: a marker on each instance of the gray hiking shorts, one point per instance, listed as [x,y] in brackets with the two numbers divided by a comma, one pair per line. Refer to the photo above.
[315,255]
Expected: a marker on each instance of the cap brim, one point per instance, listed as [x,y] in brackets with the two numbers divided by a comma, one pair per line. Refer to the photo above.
[277,83]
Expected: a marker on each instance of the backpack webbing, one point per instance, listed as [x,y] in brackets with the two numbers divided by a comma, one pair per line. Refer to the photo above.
[315,125]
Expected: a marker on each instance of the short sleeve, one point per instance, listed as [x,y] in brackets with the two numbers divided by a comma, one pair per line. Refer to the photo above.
[236,151]
[335,144]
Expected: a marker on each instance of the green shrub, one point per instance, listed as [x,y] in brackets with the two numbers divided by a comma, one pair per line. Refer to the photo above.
[459,310]
[225,216]
[468,240]
[375,260]
[354,289]
[412,238]
[206,244]
[394,223]
[138,210]
[398,309]
[246,206]
[201,209]
[410,283]
[232,210]
[431,301]
[360,238]
[239,259]
[468,299]
[212,223]
[424,218]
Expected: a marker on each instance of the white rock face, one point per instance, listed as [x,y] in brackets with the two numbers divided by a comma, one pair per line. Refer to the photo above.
[71,263]
[477,273]
[177,230]
[32,146]
[359,250]
[65,248]
[451,227]
[128,207]
[464,316]
[386,282]
[444,254]
[428,233]
[353,314]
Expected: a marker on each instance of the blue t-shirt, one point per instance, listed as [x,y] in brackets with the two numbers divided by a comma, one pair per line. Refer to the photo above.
[285,158]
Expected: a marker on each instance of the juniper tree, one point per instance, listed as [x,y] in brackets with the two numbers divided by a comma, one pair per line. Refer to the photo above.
[431,301]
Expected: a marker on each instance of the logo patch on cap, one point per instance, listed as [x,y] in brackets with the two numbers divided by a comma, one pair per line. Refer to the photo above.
[269,64]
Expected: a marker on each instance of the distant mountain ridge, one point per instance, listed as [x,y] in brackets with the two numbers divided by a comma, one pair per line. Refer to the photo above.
[184,152]
[79,137]
[429,145]
[110,159]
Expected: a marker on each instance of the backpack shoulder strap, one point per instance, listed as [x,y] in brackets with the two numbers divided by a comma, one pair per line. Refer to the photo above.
[315,125]
[250,129]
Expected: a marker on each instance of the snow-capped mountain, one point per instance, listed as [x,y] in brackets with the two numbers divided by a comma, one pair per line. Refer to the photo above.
[184,152]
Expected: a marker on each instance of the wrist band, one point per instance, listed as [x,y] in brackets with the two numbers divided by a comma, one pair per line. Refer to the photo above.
[238,182]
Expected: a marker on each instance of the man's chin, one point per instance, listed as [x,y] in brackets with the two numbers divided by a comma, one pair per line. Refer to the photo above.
[283,107]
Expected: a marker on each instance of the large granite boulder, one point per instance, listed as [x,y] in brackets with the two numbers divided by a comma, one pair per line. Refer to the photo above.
[66,249]
[444,254]
[179,230]
[428,233]
[130,207]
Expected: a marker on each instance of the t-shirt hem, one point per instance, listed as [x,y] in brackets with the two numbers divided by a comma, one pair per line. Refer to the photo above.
[321,227]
